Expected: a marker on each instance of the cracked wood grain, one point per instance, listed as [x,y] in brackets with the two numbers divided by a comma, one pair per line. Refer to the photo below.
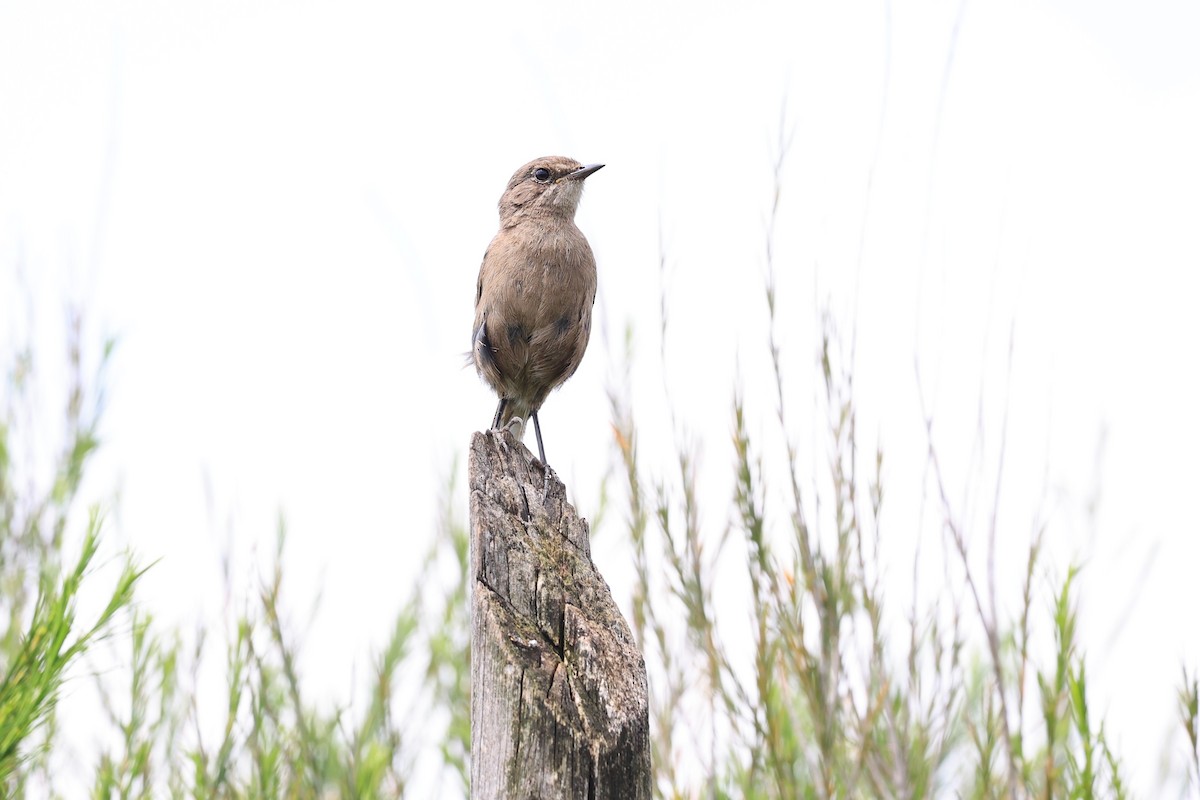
[559,702]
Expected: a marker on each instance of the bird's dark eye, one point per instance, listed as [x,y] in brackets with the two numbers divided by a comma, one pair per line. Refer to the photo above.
[541,174]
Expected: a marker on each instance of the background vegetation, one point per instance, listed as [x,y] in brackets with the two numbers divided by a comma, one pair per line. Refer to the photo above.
[833,701]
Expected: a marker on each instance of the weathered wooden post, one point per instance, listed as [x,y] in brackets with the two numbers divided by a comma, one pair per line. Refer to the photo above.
[559,703]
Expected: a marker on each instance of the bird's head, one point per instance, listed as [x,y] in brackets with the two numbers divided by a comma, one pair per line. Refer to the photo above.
[549,186]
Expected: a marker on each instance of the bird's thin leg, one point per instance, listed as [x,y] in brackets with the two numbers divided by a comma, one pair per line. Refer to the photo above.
[499,411]
[537,429]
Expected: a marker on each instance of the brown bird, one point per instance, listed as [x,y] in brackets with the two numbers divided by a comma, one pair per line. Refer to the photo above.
[537,284]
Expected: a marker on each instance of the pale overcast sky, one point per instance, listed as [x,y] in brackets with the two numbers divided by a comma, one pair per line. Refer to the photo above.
[280,210]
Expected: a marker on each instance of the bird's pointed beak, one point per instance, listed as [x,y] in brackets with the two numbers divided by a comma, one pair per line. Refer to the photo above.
[582,172]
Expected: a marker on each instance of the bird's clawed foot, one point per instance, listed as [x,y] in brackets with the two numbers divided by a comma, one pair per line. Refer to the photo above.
[516,427]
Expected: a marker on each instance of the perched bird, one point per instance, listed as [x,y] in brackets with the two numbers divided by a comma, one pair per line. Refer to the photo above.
[537,284]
